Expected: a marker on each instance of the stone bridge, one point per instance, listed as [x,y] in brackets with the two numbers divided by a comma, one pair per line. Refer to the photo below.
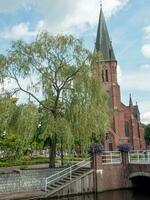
[121,170]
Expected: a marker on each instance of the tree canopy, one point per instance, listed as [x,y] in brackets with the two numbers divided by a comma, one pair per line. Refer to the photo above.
[57,73]
[147,133]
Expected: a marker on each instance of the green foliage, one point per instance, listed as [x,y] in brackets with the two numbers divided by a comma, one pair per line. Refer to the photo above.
[17,128]
[73,108]
[147,133]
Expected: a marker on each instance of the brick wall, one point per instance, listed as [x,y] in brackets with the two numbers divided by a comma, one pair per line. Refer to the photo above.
[26,180]
[111,176]
[133,168]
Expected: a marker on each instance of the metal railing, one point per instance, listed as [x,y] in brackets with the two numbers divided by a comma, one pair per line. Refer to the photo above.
[111,157]
[137,157]
[66,172]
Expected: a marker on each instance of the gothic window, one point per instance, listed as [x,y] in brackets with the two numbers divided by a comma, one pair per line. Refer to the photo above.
[105,75]
[127,129]
[106,71]
[114,69]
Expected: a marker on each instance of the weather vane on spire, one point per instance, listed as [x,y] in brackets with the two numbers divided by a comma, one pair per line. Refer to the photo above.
[101,3]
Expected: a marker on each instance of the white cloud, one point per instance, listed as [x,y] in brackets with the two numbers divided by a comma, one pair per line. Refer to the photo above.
[145,111]
[65,16]
[13,5]
[145,117]
[146,50]
[19,31]
[119,74]
[145,67]
[138,80]
[22,30]
[147,32]
[74,16]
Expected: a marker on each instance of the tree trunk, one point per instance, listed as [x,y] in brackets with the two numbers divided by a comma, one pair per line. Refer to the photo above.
[62,155]
[52,152]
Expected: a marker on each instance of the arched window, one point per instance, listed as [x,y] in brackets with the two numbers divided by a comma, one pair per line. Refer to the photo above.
[106,74]
[127,129]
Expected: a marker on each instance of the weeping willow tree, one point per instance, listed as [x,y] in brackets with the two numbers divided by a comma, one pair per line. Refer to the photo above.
[87,110]
[58,72]
[16,128]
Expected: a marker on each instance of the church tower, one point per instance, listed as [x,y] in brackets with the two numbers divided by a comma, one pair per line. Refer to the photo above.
[125,121]
[108,73]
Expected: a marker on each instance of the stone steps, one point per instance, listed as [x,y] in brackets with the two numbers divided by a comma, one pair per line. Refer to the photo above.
[60,184]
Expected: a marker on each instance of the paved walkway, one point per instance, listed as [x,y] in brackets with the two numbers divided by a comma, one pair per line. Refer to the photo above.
[10,169]
[22,196]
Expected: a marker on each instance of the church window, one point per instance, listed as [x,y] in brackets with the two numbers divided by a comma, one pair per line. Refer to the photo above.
[106,71]
[114,69]
[127,129]
[103,79]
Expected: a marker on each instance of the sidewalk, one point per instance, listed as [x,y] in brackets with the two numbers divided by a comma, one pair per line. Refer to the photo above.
[23,196]
[16,168]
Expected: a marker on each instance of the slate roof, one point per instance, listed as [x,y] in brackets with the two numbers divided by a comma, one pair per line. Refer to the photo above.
[103,43]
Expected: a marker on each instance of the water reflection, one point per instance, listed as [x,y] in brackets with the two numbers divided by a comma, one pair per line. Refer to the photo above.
[114,195]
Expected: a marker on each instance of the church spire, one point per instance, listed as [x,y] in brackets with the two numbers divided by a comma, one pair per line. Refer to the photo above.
[103,43]
[130,101]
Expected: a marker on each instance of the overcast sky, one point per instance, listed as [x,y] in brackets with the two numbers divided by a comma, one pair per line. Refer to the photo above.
[128,23]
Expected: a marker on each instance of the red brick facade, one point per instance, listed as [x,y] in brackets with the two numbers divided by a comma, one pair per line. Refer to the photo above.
[126,126]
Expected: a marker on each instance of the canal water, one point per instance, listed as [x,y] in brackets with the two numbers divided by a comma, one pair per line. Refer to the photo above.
[114,195]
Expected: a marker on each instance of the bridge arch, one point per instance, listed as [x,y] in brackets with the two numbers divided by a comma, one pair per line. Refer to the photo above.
[139,174]
[140,179]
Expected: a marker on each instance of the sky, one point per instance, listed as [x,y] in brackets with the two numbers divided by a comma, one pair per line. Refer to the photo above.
[128,24]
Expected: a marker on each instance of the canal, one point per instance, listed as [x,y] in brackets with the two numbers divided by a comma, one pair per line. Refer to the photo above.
[114,195]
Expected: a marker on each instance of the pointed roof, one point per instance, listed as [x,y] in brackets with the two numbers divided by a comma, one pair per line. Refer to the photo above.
[136,112]
[130,101]
[103,43]
[137,107]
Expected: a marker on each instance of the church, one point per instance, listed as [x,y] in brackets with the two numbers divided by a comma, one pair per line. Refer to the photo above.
[125,125]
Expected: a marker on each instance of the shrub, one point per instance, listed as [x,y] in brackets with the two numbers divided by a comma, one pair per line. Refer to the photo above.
[95,148]
[124,147]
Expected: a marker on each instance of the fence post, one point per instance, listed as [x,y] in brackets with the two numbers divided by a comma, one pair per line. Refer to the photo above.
[111,157]
[129,158]
[46,185]
[125,158]
[138,156]
[70,173]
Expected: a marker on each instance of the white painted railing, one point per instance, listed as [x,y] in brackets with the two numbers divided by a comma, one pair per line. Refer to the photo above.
[66,172]
[141,157]
[111,157]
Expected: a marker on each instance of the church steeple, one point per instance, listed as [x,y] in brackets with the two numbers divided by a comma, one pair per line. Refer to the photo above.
[103,43]
[130,101]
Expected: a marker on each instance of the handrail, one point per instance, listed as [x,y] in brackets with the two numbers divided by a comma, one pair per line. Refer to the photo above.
[65,172]
[111,157]
[139,156]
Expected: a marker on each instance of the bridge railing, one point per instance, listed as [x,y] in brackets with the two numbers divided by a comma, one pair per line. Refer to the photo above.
[139,157]
[111,157]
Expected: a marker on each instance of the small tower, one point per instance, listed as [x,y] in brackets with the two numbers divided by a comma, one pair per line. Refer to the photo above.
[107,68]
[130,101]
[107,65]
[103,45]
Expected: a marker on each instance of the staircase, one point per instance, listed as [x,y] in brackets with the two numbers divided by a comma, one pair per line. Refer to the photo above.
[60,180]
